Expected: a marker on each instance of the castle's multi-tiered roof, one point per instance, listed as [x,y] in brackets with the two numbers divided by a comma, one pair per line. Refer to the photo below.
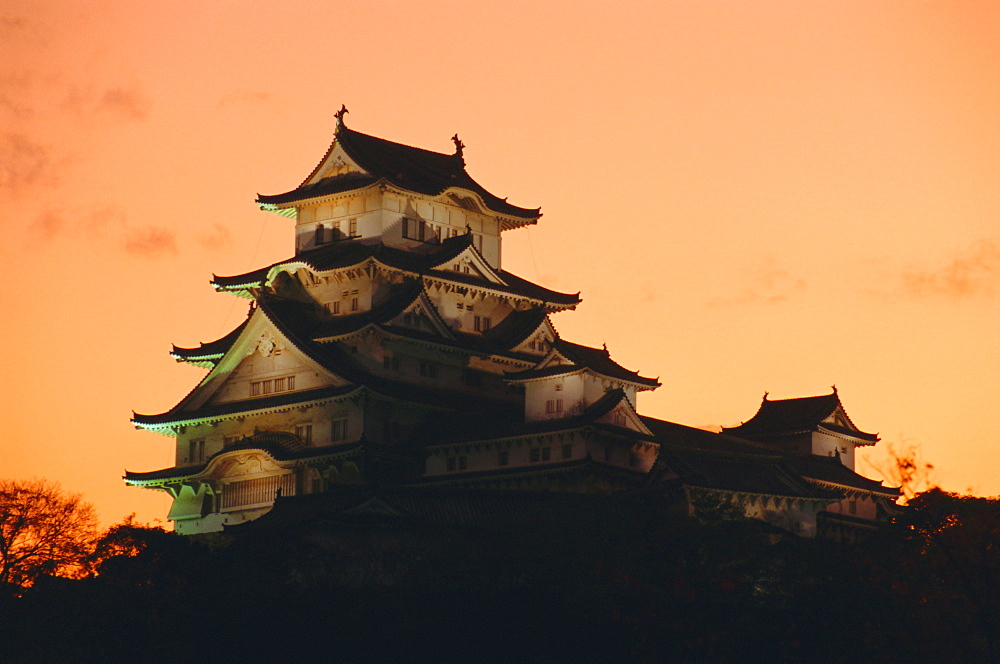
[392,349]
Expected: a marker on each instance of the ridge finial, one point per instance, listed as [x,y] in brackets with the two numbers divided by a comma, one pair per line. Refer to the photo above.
[459,145]
[340,116]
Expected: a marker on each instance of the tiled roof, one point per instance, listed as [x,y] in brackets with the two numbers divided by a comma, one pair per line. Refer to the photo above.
[280,446]
[209,351]
[471,426]
[348,253]
[286,399]
[787,416]
[831,470]
[741,473]
[596,359]
[679,434]
[406,167]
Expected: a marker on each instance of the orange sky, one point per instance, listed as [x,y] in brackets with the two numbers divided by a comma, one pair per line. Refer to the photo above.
[751,196]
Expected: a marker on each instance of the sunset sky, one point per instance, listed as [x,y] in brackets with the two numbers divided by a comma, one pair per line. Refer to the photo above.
[751,196]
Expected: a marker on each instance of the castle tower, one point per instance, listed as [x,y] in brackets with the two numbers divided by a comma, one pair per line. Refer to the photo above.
[393,348]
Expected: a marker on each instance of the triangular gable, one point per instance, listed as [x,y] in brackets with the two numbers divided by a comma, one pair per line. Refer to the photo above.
[470,262]
[624,415]
[337,162]
[839,418]
[539,340]
[374,506]
[423,316]
[260,354]
[555,358]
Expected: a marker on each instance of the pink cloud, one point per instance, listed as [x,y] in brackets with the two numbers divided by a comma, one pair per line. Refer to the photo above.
[767,285]
[150,241]
[975,272]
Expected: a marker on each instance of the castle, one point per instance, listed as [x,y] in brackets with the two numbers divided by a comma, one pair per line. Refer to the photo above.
[393,350]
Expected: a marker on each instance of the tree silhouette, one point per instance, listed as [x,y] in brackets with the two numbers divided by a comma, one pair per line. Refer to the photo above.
[43,531]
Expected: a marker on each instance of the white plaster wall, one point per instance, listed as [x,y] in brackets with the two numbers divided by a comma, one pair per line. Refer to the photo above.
[825,445]
[538,393]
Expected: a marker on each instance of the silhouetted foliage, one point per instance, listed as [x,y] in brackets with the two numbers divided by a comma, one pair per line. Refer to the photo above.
[620,578]
[43,531]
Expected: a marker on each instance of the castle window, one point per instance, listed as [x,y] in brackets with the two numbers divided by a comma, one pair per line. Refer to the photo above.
[463,462]
[196,450]
[852,506]
[321,237]
[546,453]
[482,323]
[354,304]
[460,306]
[333,308]
[305,433]
[502,458]
[567,451]
[230,440]
[559,387]
[428,370]
[534,454]
[414,229]
[338,430]
[452,463]
[264,387]
[472,378]
[458,463]
[352,226]
[607,453]
[390,362]
[554,406]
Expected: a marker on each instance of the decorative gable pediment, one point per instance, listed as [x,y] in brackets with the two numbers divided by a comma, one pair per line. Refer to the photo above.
[538,341]
[262,363]
[423,316]
[336,163]
[624,415]
[471,262]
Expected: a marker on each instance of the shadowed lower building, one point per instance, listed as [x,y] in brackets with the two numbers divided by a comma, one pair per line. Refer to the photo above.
[393,350]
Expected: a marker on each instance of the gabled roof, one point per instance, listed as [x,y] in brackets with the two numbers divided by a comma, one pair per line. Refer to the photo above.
[597,360]
[783,417]
[831,470]
[345,254]
[741,473]
[508,422]
[279,446]
[413,169]
[207,354]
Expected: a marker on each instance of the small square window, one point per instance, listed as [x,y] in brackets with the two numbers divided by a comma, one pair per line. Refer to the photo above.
[534,454]
[502,458]
[546,453]
[567,451]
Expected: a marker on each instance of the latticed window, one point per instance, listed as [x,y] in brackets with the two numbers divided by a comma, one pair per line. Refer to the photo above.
[338,430]
[305,433]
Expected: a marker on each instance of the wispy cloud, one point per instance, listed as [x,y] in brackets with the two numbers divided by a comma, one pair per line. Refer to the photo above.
[245,98]
[48,224]
[22,162]
[105,225]
[126,102]
[214,239]
[150,241]
[974,272]
[122,103]
[768,284]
